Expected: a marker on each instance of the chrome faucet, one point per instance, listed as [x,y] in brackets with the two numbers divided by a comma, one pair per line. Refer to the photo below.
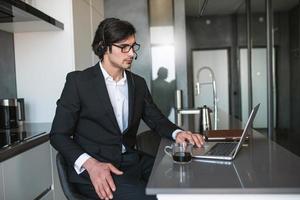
[214,88]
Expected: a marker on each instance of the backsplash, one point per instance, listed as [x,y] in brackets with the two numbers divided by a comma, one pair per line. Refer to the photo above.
[8,87]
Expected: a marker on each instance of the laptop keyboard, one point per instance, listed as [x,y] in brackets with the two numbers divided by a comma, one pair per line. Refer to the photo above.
[222,149]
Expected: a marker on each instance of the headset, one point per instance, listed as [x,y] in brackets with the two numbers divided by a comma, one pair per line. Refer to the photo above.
[102,46]
[135,56]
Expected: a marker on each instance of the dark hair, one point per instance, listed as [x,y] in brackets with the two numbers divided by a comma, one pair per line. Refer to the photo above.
[109,31]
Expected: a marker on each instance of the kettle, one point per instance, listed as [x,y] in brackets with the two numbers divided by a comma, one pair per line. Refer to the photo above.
[12,113]
[205,120]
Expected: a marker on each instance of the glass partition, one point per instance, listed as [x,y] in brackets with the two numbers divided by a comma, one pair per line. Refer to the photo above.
[163,83]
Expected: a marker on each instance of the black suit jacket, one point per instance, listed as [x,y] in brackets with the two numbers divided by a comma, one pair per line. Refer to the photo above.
[84,121]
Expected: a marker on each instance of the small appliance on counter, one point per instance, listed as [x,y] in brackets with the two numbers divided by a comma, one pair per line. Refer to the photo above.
[12,113]
[8,138]
[205,120]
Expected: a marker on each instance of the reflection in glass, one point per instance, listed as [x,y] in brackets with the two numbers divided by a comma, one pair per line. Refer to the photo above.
[163,83]
[163,91]
[163,55]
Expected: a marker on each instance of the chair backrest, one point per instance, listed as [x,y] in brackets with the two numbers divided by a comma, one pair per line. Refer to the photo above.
[148,142]
[67,187]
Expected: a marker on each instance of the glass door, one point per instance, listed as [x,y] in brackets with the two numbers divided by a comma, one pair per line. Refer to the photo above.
[259,85]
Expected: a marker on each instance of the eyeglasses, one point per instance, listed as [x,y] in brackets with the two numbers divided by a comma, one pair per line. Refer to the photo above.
[125,48]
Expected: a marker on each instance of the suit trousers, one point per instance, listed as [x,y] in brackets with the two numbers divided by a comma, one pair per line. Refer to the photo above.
[131,185]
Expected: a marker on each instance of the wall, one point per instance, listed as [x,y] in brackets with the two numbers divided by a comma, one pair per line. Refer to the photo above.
[219,33]
[8,87]
[86,17]
[180,50]
[161,12]
[283,71]
[294,19]
[42,61]
[230,31]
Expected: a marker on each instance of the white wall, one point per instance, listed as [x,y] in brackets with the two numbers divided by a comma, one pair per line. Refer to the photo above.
[87,15]
[42,61]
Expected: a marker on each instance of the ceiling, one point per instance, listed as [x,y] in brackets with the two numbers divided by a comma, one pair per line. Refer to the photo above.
[226,7]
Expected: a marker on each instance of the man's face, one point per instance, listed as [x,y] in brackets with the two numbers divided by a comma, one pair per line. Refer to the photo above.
[118,59]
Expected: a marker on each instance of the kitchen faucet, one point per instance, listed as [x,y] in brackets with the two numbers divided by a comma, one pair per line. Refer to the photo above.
[213,83]
[194,111]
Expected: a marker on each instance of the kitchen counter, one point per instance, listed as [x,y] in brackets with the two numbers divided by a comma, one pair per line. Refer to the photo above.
[262,167]
[18,140]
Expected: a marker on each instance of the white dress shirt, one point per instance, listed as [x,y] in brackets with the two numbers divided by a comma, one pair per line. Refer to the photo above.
[118,95]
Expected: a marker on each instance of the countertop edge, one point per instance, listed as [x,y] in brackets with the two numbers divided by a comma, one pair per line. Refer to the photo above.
[222,191]
[23,146]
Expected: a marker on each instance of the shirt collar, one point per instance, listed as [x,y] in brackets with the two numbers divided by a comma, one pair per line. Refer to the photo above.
[107,77]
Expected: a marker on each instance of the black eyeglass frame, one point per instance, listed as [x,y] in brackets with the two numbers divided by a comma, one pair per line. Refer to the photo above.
[135,47]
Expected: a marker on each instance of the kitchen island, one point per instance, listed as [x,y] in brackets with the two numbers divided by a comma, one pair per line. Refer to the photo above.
[262,170]
[17,140]
[26,162]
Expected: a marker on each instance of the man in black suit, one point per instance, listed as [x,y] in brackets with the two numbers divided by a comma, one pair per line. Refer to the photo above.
[97,118]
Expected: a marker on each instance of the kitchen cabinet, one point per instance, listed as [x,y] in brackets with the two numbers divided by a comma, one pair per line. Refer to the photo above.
[18,16]
[28,175]
[48,196]
[52,55]
[1,182]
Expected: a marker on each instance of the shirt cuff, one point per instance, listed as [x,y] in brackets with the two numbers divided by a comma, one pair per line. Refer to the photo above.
[174,134]
[80,161]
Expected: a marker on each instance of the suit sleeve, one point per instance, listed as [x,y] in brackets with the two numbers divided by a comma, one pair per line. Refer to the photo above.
[65,120]
[154,118]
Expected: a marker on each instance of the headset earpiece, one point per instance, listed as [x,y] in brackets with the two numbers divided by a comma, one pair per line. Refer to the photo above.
[101,49]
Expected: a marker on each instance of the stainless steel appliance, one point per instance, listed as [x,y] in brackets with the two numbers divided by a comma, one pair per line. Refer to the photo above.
[12,113]
[205,121]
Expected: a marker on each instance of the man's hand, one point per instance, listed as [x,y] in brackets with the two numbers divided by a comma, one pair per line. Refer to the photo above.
[193,138]
[100,174]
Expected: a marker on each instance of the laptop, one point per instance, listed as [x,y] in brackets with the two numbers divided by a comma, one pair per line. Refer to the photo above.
[225,150]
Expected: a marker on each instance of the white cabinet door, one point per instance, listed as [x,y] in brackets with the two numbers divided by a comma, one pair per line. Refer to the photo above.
[1,182]
[28,174]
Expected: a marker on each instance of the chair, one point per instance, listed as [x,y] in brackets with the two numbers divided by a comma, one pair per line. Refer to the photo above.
[148,142]
[67,187]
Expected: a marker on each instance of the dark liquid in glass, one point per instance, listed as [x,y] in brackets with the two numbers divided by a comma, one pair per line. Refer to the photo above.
[182,157]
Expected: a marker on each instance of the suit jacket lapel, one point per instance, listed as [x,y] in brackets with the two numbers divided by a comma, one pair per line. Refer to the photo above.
[102,93]
[131,89]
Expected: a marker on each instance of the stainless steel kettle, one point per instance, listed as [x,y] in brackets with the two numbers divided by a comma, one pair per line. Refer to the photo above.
[12,113]
[205,120]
